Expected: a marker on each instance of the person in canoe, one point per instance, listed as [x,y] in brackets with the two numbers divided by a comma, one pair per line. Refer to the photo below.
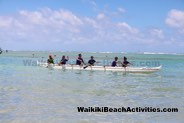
[80,60]
[63,60]
[91,62]
[50,60]
[114,63]
[125,62]
[1,51]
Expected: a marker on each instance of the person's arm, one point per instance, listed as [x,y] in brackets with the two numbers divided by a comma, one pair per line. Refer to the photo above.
[48,61]
[89,62]
[60,62]
[97,61]
[129,63]
[79,59]
[67,58]
[82,61]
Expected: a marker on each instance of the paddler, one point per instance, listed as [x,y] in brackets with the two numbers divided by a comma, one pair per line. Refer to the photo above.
[79,60]
[50,60]
[114,63]
[125,62]
[63,60]
[91,62]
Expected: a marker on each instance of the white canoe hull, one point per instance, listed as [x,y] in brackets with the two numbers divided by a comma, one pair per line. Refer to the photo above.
[102,68]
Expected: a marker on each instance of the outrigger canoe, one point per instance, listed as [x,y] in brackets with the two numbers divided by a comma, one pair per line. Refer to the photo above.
[128,69]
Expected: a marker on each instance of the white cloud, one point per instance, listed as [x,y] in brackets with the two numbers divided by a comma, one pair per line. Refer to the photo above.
[93,4]
[91,22]
[62,29]
[125,27]
[157,33]
[175,19]
[5,22]
[45,25]
[121,10]
[100,16]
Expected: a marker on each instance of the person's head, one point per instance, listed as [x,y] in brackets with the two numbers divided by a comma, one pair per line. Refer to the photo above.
[125,58]
[50,56]
[116,58]
[92,57]
[63,57]
[80,55]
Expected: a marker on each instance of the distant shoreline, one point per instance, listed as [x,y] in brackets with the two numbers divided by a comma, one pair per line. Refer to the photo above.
[146,53]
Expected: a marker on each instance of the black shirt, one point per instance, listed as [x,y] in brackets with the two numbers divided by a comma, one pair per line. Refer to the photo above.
[79,61]
[91,61]
[63,61]
[125,63]
[114,64]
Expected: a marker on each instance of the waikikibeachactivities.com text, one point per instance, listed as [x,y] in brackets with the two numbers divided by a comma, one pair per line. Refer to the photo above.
[151,63]
[125,109]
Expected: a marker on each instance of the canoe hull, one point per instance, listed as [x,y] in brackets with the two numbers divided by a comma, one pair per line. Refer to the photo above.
[102,68]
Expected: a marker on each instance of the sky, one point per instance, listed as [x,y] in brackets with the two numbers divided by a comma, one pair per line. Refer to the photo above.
[92,25]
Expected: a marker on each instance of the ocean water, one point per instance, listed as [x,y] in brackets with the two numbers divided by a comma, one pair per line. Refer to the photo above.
[32,94]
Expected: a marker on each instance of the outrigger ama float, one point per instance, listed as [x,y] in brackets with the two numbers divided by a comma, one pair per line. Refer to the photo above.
[128,69]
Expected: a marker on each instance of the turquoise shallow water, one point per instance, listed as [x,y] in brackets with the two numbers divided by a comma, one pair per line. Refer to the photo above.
[33,94]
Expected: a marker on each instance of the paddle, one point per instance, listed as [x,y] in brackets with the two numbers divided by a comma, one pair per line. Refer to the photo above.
[90,65]
[124,65]
[86,66]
